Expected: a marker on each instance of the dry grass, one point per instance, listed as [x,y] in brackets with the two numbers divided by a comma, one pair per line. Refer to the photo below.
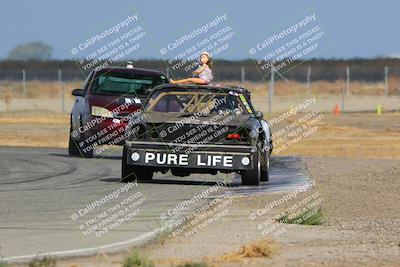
[287,87]
[36,89]
[256,249]
[337,137]
[40,89]
[56,119]
[34,131]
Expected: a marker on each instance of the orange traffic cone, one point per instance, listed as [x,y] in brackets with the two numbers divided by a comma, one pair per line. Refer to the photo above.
[336,110]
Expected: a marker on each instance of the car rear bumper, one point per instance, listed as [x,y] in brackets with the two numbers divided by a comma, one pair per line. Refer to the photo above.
[165,155]
[192,147]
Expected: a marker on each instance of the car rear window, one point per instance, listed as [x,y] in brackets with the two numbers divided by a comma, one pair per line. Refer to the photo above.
[195,102]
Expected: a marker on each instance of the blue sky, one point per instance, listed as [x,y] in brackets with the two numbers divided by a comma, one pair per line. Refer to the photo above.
[352,28]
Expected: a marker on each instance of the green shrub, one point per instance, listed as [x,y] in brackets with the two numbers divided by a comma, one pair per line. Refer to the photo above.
[136,261]
[308,217]
[44,262]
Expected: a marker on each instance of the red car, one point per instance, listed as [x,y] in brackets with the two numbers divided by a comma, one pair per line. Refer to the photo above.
[103,107]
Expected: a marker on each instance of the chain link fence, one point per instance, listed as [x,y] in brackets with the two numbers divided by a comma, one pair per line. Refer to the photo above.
[275,91]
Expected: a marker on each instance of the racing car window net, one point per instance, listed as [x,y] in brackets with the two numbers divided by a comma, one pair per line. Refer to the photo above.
[124,83]
[196,102]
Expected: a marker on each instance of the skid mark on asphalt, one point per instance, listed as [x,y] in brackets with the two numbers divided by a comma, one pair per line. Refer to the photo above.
[286,174]
[39,163]
[26,170]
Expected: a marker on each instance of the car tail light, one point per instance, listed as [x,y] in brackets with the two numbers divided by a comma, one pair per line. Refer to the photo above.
[233,136]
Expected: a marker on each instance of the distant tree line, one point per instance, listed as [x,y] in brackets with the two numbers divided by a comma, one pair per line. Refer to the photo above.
[31,51]
[360,69]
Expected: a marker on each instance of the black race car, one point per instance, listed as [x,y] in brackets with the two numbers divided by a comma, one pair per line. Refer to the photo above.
[197,129]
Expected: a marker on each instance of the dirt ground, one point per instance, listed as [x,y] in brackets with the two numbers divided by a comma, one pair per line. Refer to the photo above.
[354,160]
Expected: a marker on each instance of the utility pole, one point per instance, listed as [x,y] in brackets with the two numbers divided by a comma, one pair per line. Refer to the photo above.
[386,81]
[308,80]
[242,75]
[23,83]
[63,97]
[343,92]
[348,80]
[60,78]
[61,88]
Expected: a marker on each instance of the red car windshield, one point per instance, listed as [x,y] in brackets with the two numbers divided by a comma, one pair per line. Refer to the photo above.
[125,83]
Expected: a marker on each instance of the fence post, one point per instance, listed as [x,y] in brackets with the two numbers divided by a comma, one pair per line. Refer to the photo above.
[63,97]
[386,81]
[61,86]
[242,75]
[343,93]
[308,80]
[271,87]
[23,83]
[348,80]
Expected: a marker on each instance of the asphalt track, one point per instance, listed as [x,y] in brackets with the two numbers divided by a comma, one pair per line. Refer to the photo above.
[42,188]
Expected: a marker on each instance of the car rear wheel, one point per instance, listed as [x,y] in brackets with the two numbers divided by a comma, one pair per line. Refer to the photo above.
[131,173]
[265,170]
[252,177]
[73,145]
[75,151]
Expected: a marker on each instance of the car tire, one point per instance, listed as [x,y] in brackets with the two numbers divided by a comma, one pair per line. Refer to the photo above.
[265,170]
[252,177]
[74,150]
[131,173]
